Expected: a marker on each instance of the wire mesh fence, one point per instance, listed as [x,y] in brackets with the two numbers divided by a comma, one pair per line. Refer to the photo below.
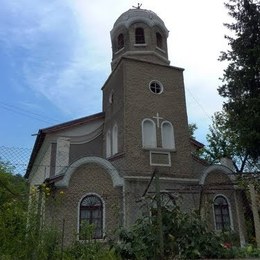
[68,195]
[15,157]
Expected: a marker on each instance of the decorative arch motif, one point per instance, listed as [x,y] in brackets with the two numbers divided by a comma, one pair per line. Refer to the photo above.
[106,165]
[149,133]
[219,168]
[167,133]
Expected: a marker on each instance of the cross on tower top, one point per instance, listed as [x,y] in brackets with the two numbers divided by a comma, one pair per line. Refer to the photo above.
[138,6]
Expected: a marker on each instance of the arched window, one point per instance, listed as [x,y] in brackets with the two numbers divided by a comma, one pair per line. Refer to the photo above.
[149,134]
[221,213]
[91,213]
[108,144]
[167,135]
[115,140]
[120,41]
[139,35]
[159,40]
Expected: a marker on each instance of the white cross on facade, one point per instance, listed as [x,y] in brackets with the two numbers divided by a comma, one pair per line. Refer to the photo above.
[157,118]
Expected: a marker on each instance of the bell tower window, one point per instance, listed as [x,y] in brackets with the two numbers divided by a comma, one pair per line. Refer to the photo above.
[159,40]
[167,135]
[149,133]
[139,35]
[120,41]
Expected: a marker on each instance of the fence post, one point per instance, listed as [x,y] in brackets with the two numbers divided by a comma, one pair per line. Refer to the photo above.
[255,213]
[62,237]
[159,213]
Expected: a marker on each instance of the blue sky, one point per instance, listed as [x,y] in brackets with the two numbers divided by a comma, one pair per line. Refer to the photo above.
[56,54]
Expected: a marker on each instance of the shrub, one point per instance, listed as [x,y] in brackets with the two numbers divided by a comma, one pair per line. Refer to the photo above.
[184,236]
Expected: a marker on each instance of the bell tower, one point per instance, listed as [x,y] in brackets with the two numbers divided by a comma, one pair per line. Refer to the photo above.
[141,34]
[144,100]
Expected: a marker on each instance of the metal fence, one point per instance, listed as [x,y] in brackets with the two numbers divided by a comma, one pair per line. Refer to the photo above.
[123,206]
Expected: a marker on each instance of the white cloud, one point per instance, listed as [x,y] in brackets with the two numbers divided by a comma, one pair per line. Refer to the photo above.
[69,51]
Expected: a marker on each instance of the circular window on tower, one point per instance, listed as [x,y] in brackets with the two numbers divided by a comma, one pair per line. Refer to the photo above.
[156,87]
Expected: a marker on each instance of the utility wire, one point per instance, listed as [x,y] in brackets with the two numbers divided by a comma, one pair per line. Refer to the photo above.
[24,112]
[198,103]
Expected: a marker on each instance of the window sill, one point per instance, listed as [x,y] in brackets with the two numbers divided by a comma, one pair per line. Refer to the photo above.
[120,50]
[140,44]
[115,156]
[159,149]
[161,50]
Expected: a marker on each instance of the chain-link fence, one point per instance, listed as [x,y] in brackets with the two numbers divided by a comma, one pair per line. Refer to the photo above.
[15,157]
[69,195]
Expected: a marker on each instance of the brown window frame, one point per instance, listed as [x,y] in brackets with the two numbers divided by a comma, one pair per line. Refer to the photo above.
[221,213]
[93,205]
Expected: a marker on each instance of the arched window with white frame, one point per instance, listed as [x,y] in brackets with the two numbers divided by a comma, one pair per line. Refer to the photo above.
[108,144]
[115,139]
[91,209]
[149,134]
[167,133]
[221,213]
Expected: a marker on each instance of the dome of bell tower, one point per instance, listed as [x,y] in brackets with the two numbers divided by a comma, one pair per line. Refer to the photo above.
[141,34]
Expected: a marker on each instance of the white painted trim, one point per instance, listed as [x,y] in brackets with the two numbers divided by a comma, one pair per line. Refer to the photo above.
[108,144]
[120,50]
[172,134]
[131,20]
[159,83]
[114,139]
[166,179]
[140,44]
[158,164]
[159,49]
[220,168]
[86,138]
[154,132]
[240,229]
[229,210]
[106,165]
[103,213]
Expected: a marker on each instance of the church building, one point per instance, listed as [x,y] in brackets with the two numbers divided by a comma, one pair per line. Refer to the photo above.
[100,168]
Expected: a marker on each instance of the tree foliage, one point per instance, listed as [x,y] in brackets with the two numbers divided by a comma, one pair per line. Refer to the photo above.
[241,78]
[223,142]
[192,128]
[13,208]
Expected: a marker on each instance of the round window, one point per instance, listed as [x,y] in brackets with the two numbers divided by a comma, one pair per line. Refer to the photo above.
[156,87]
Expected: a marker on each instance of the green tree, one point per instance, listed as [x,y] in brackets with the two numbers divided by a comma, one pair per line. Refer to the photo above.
[223,142]
[192,128]
[241,78]
[13,208]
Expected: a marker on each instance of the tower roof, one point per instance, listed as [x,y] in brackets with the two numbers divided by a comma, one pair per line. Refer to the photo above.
[139,15]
